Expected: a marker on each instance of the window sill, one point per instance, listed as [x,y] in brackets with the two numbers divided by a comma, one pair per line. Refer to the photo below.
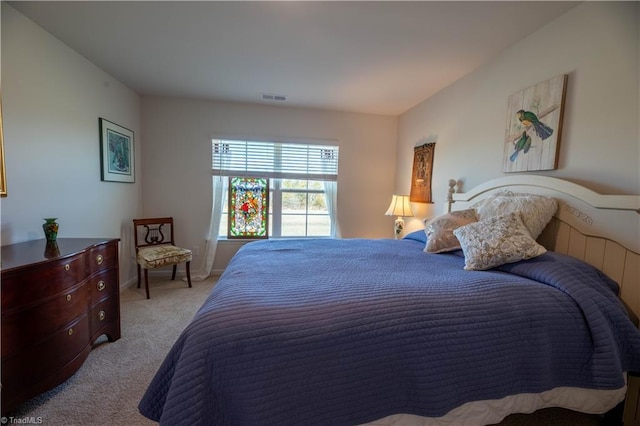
[225,240]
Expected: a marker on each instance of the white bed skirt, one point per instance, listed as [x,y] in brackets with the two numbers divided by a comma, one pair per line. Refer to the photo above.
[480,413]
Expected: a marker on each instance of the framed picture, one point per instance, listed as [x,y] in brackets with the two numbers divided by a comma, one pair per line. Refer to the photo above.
[116,153]
[421,174]
[534,121]
[3,176]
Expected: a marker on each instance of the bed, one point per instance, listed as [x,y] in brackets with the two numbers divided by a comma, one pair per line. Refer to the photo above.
[364,331]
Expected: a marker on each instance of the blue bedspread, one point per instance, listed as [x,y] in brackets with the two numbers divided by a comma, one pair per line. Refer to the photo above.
[340,332]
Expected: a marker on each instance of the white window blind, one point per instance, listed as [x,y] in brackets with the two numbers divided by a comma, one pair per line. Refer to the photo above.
[275,160]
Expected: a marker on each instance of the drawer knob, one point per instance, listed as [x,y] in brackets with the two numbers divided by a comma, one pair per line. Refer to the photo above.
[102,315]
[70,331]
[68,298]
[101,285]
[67,267]
[99,259]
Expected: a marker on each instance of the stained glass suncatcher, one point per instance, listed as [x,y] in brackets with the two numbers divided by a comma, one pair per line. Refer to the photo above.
[248,207]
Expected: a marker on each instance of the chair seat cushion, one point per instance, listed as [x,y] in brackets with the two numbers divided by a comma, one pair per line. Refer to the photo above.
[162,255]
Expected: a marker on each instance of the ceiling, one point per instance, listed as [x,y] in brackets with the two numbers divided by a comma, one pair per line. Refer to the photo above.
[380,57]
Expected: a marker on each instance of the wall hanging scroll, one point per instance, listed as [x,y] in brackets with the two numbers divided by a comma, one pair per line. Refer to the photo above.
[534,120]
[421,175]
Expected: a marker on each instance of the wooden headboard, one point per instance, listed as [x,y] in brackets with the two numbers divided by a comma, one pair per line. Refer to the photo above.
[602,230]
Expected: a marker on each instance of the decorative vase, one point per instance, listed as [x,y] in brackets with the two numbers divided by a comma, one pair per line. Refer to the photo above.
[51,249]
[50,227]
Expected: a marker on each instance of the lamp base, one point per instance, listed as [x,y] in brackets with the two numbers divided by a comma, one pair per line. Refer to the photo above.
[398,227]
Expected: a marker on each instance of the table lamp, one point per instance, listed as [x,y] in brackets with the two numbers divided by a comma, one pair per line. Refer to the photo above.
[399,207]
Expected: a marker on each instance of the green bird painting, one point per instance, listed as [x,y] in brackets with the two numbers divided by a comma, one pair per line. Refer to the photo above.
[534,126]
[528,119]
[522,144]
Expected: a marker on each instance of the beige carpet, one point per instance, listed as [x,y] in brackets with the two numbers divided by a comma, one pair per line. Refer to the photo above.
[108,387]
[111,382]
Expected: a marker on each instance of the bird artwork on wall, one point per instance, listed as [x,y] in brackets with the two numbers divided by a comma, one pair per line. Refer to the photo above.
[527,118]
[534,121]
[522,144]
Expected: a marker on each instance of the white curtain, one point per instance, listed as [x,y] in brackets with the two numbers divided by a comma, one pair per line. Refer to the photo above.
[331,195]
[220,184]
[331,190]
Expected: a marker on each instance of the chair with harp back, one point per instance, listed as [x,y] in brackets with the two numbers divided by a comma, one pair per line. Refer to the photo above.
[155,247]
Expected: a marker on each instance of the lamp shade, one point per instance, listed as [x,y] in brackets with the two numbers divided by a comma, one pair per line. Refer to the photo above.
[399,206]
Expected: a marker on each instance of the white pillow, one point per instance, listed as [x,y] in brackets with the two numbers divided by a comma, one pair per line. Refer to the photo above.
[439,230]
[496,241]
[536,210]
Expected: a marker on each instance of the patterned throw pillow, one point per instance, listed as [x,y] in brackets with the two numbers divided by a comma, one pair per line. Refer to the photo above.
[439,230]
[536,210]
[496,241]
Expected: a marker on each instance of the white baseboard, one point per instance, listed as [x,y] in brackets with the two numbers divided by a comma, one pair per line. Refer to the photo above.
[153,274]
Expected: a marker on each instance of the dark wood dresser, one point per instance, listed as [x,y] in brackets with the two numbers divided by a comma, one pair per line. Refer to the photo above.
[57,299]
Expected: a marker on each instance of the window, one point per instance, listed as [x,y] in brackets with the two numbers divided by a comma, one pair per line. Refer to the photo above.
[248,207]
[302,184]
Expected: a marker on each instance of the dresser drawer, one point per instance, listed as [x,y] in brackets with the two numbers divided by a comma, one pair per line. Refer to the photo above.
[29,287]
[49,356]
[103,285]
[28,327]
[104,313]
[103,257]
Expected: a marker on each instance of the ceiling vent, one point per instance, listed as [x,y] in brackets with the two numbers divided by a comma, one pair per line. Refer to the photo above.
[272,97]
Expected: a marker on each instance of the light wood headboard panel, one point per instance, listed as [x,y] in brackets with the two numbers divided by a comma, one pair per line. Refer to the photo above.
[602,230]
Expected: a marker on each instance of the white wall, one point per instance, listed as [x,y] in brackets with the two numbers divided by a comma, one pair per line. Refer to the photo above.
[51,100]
[597,45]
[177,160]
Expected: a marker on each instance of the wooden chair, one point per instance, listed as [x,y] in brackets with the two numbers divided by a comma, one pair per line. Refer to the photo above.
[155,247]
